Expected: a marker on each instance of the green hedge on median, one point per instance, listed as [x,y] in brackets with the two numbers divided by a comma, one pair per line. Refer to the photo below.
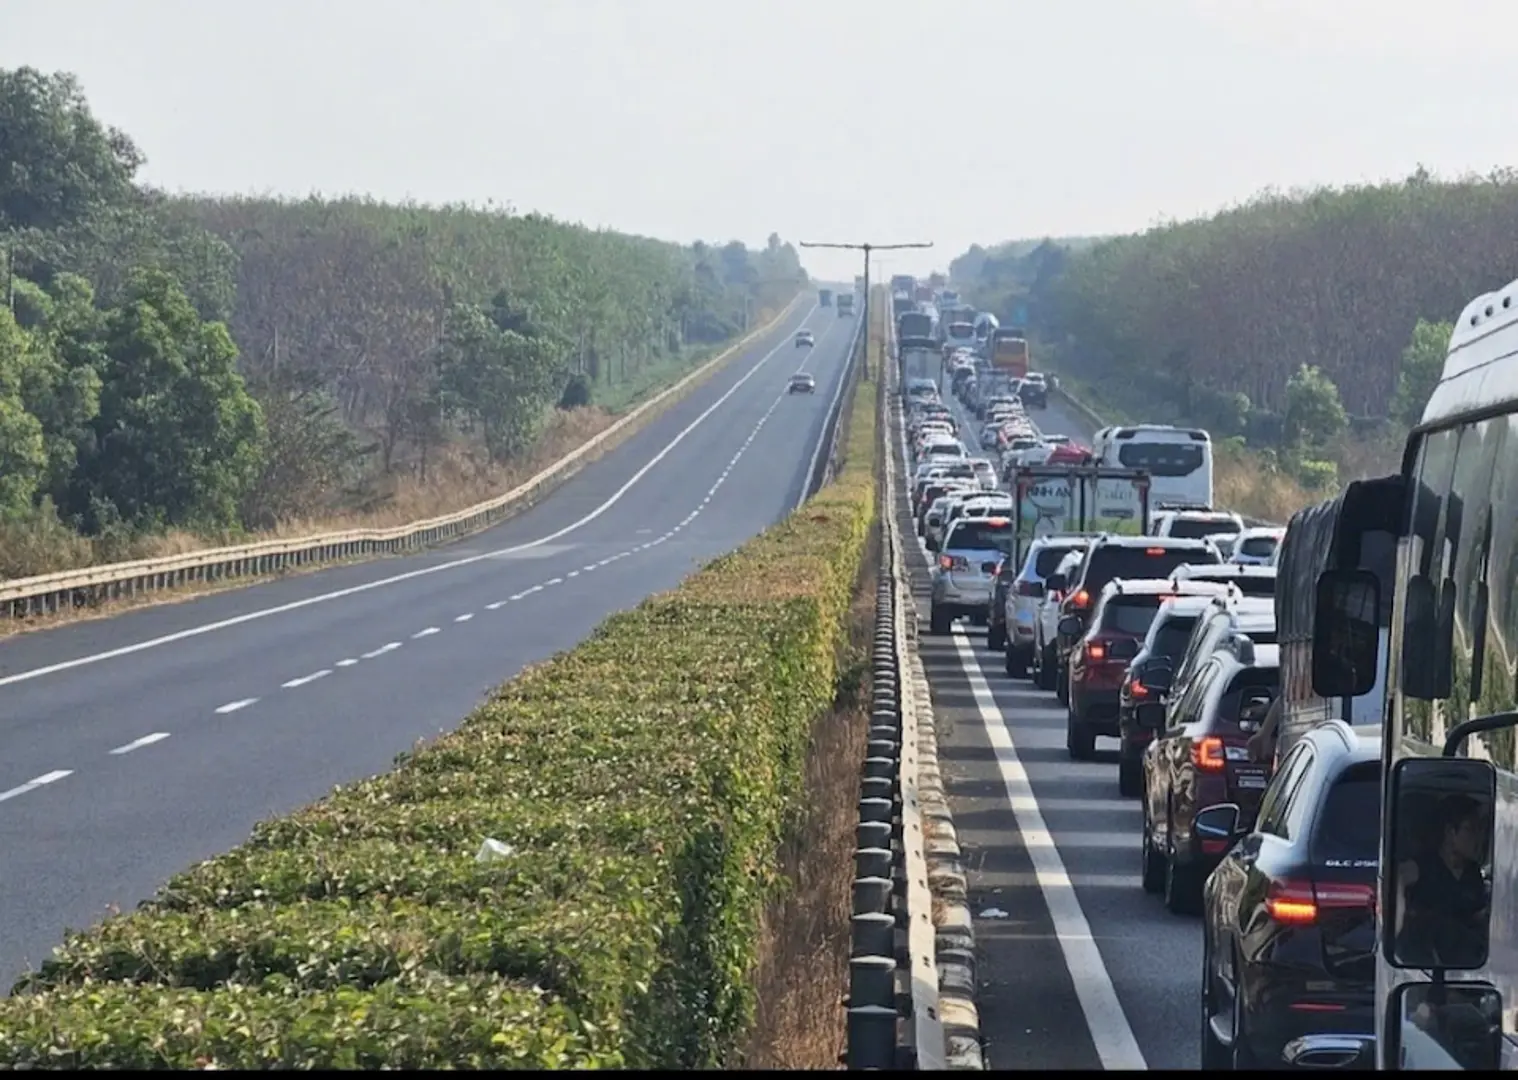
[644,780]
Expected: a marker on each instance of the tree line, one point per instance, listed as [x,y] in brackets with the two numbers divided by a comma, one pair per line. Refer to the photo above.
[221,364]
[1310,318]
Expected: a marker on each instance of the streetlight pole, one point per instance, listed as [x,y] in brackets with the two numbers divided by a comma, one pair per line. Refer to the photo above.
[866,248]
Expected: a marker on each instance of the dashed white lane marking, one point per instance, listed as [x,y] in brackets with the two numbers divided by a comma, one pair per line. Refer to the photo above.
[138,744]
[296,605]
[33,785]
[1111,1033]
[304,679]
[498,604]
[234,706]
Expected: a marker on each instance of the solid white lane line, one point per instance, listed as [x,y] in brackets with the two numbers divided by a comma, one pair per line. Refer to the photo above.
[1111,1034]
[1110,1030]
[33,785]
[234,706]
[138,744]
[304,679]
[296,605]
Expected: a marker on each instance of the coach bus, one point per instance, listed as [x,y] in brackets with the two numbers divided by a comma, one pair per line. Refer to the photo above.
[1178,460]
[1446,953]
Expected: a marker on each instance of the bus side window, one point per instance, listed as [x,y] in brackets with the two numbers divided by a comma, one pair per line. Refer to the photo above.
[1429,615]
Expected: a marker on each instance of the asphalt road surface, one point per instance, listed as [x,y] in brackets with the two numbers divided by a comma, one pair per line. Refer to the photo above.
[1078,968]
[133,746]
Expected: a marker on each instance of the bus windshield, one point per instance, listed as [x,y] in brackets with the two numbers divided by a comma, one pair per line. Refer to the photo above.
[1163,459]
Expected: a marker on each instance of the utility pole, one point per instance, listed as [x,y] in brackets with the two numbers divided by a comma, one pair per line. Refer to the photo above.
[866,248]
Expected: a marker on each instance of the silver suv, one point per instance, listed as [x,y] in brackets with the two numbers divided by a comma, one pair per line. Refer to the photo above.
[965,572]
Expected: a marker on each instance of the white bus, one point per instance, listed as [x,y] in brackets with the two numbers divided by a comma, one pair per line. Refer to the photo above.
[1178,460]
[1446,959]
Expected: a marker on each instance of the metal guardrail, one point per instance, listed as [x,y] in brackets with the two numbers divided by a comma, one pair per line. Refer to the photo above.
[907,906]
[825,454]
[62,590]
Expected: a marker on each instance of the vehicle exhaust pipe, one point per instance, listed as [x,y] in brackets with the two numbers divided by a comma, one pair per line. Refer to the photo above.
[1328,1051]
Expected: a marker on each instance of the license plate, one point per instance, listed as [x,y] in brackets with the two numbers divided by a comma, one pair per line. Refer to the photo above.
[1250,781]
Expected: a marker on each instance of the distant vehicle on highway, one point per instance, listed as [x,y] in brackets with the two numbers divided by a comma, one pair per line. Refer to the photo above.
[845,305]
[1178,460]
[802,383]
[804,339]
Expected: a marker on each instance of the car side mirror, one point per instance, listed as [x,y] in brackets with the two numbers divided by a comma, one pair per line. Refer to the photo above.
[1446,1026]
[1219,822]
[1345,633]
[1070,626]
[1123,649]
[1055,583]
[1440,810]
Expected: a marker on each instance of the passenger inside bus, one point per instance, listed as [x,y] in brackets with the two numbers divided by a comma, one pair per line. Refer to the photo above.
[1441,913]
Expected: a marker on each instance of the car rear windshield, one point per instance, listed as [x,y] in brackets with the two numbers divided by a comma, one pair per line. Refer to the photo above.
[975,535]
[1173,634]
[1349,826]
[1045,559]
[1257,547]
[1196,529]
[1135,562]
[1129,614]
[1248,584]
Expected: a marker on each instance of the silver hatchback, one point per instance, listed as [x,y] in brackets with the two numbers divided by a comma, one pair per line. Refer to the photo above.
[965,572]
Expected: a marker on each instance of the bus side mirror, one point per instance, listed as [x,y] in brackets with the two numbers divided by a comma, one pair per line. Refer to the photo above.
[1448,1026]
[1440,812]
[1346,633]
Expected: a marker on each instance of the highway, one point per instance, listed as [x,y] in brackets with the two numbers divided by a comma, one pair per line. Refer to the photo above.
[1077,967]
[135,745]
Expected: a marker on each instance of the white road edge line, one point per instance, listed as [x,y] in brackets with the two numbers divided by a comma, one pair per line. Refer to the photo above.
[33,785]
[1111,1034]
[138,744]
[296,605]
[1110,1031]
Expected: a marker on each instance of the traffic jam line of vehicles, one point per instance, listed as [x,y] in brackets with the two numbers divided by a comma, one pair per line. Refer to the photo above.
[1317,721]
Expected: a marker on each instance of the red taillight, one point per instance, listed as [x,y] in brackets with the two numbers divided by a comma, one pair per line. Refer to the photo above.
[1080,598]
[1298,903]
[1138,689]
[1209,755]
[1096,650]
[1028,588]
[953,562]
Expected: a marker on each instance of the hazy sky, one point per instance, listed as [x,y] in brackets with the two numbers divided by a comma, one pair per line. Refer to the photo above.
[876,120]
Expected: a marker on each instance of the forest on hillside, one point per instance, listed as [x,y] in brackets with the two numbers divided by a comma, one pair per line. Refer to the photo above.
[1315,317]
[211,365]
